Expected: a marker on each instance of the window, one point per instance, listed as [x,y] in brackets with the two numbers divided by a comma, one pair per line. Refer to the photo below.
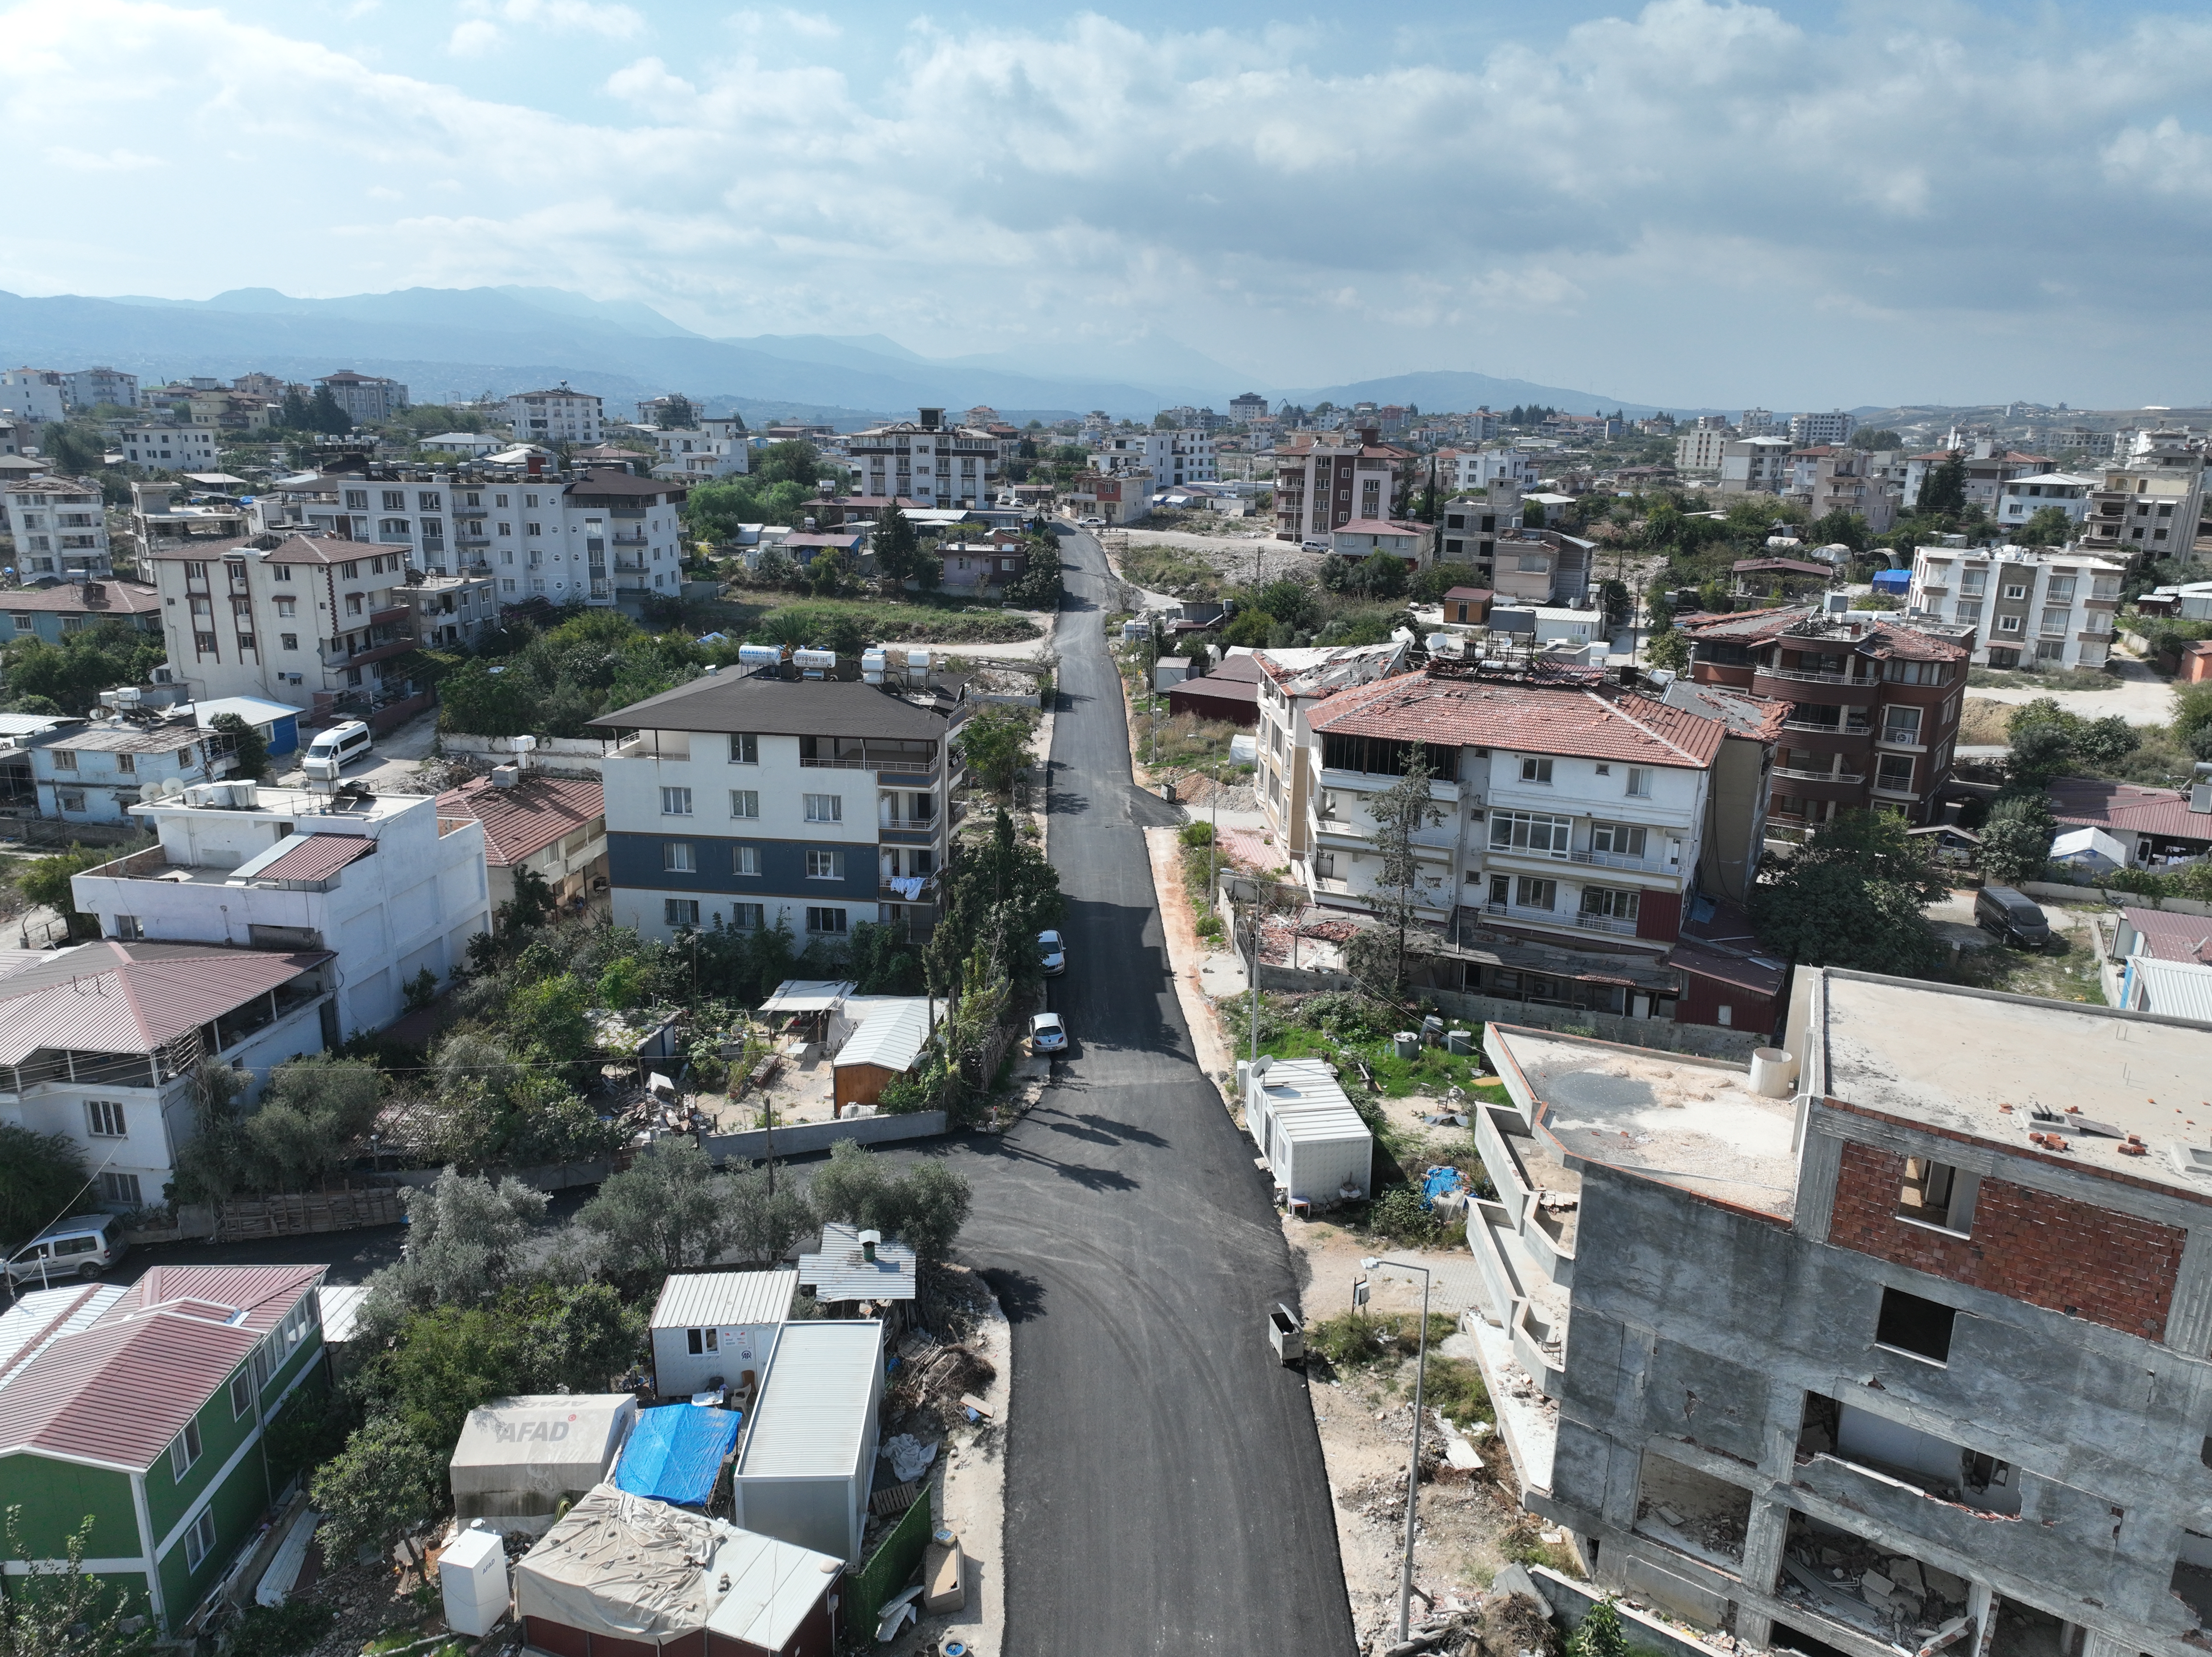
[700,1342]
[395,500]
[1529,831]
[72,802]
[2008,623]
[748,917]
[744,860]
[1620,839]
[680,911]
[676,857]
[1639,782]
[1937,1194]
[1967,613]
[1909,1324]
[2055,619]
[676,802]
[1894,773]
[825,808]
[129,928]
[825,865]
[2015,594]
[184,1450]
[104,1120]
[241,1393]
[825,920]
[1530,893]
[1536,770]
[287,606]
[120,1191]
[744,748]
[1900,724]
[1610,902]
[199,1541]
[2051,650]
[2060,590]
[64,759]
[744,802]
[1324,866]
[288,641]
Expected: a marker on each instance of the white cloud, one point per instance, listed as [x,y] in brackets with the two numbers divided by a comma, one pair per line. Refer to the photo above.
[111,161]
[481,31]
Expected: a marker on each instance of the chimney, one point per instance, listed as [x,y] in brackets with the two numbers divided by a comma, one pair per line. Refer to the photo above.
[868,1241]
[1371,434]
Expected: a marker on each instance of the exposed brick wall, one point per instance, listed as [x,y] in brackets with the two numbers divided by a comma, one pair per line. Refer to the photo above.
[2052,1252]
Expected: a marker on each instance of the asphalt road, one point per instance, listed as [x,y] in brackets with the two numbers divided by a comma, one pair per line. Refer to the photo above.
[1165,1488]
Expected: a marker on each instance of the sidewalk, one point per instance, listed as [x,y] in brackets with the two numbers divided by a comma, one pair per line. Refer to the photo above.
[1188,962]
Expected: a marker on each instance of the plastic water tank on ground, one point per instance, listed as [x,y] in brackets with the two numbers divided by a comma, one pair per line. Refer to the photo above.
[473,1573]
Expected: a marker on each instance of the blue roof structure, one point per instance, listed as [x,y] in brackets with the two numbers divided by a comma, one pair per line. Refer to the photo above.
[674,1452]
[1893,581]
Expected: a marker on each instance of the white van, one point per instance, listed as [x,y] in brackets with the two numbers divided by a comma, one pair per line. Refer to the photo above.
[333,750]
[78,1248]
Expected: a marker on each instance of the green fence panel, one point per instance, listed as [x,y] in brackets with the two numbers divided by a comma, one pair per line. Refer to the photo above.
[894,1564]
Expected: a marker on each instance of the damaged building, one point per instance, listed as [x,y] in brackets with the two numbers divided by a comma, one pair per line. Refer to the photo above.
[1893,1341]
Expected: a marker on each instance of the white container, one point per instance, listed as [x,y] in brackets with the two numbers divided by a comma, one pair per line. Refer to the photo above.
[473,1574]
[1244,751]
[1773,1072]
[873,664]
[756,656]
[814,663]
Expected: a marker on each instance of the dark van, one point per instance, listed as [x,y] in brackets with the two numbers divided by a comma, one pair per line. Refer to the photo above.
[2013,917]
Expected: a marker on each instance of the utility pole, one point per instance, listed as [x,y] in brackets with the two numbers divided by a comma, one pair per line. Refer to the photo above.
[1413,1468]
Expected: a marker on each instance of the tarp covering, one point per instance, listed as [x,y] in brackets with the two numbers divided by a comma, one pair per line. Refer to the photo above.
[674,1452]
[520,1457]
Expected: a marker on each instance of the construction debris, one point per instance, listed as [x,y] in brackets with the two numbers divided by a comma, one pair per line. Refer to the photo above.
[1907,1602]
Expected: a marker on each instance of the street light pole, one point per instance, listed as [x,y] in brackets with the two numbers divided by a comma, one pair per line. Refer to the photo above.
[1413,1468]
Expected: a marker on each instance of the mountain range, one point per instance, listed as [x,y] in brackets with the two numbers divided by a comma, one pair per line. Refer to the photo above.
[450,343]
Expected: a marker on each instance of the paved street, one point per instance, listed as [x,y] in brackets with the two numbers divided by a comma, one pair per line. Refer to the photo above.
[1165,1489]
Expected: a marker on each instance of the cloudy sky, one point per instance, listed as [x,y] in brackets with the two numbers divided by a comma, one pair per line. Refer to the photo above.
[1692,203]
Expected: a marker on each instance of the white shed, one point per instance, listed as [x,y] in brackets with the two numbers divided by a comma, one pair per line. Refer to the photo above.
[809,1455]
[519,1458]
[711,1325]
[1315,1142]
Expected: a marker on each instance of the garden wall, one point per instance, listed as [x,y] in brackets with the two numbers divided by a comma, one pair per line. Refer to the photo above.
[558,756]
[804,1138]
[2059,894]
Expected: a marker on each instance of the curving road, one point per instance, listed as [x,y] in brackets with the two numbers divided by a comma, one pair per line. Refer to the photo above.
[1165,1492]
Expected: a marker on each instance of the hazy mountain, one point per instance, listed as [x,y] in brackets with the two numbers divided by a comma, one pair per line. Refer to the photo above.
[1455,389]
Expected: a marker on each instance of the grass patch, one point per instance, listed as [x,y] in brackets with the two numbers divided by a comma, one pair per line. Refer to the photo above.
[2065,971]
[2016,678]
[1183,742]
[1174,570]
[1982,722]
[876,623]
[1359,1339]
[1454,1388]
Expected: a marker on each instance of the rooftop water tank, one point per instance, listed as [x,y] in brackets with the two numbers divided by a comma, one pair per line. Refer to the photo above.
[873,665]
[758,655]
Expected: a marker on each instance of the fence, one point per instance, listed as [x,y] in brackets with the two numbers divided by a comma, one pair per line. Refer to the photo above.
[296,1214]
[802,1138]
[889,1569]
[2068,894]
[32,830]
[1698,1040]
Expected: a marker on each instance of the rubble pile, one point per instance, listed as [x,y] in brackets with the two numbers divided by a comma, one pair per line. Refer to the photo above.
[1912,1604]
[1706,1532]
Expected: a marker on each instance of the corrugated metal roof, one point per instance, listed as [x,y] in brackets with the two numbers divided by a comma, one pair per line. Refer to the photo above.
[806,995]
[1291,1083]
[340,1306]
[2170,935]
[109,997]
[892,1036]
[721,1300]
[316,856]
[2173,989]
[836,1271]
[2128,805]
[1322,1125]
[45,1314]
[813,1419]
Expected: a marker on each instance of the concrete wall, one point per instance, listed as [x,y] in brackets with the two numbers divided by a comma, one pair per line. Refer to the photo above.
[1704,1040]
[558,756]
[809,1136]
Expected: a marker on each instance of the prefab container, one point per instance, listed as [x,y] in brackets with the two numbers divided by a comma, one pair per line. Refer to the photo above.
[809,1455]
[519,1458]
[1315,1142]
[718,1328]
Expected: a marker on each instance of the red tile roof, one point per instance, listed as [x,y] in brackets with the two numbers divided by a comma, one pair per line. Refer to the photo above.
[523,820]
[117,1394]
[109,997]
[88,598]
[2168,935]
[316,856]
[2162,811]
[1582,720]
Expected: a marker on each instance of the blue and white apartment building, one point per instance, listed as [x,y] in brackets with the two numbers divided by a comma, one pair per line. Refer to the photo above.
[742,798]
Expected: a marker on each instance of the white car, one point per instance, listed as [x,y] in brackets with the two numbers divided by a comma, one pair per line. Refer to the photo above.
[1047,1033]
[1091,520]
[1052,949]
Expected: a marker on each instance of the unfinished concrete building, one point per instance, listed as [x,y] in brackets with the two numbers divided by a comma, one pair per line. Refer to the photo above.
[1896,1344]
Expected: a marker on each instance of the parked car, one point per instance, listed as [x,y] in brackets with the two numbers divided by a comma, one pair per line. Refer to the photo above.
[2012,916]
[1047,1033]
[1055,953]
[1091,520]
[82,1247]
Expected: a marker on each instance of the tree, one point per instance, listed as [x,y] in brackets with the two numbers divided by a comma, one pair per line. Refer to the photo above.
[325,416]
[72,674]
[47,883]
[766,1218]
[249,755]
[42,1177]
[994,745]
[59,1609]
[2048,741]
[1669,650]
[2016,837]
[1876,437]
[313,1113]
[2047,526]
[466,1241]
[1852,898]
[661,1214]
[299,415]
[898,551]
[1399,812]
[1599,1633]
[382,1488]
[924,1208]
[1943,490]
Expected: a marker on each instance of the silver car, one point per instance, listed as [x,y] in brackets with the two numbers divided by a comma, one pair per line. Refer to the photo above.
[1052,951]
[1047,1033]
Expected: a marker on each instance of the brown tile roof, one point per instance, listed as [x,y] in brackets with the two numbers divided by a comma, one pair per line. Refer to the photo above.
[117,1394]
[87,599]
[295,548]
[109,997]
[2128,805]
[2168,935]
[1585,721]
[523,820]
[316,856]
[1883,639]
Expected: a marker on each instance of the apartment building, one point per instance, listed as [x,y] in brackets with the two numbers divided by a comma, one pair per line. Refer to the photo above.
[1124,497]
[1569,806]
[88,388]
[60,528]
[2020,499]
[383,888]
[168,448]
[1828,480]
[1755,466]
[2040,609]
[1322,483]
[1540,567]
[1247,407]
[1873,704]
[1471,525]
[1989,468]
[367,399]
[1178,458]
[53,613]
[2152,503]
[1292,683]
[36,394]
[925,461]
[1807,430]
[744,799]
[97,770]
[1894,1341]
[556,416]
[1468,471]
[711,449]
[1700,450]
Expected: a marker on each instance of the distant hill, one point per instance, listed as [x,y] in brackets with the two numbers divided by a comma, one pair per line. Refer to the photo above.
[1455,391]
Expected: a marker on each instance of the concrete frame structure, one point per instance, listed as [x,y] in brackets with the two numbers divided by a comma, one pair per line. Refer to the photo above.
[926,461]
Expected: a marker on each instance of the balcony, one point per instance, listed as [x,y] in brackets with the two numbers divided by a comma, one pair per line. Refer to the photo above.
[392,617]
[1826,690]
[626,567]
[637,540]
[1846,742]
[1619,860]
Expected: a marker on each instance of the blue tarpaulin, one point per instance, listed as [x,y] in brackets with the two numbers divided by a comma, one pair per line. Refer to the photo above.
[1436,1183]
[1893,581]
[674,1453]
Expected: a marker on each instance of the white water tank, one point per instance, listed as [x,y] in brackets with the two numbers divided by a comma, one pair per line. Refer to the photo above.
[815,664]
[1773,1072]
[473,1574]
[917,666]
[756,656]
[873,665]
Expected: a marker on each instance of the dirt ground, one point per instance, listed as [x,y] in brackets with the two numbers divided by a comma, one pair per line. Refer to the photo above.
[1239,558]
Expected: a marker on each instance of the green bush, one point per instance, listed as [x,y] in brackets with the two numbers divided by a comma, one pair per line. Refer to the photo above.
[291,1629]
[1456,1390]
[1398,1215]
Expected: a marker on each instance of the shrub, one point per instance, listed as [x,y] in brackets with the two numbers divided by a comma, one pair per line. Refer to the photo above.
[291,1629]
[1197,833]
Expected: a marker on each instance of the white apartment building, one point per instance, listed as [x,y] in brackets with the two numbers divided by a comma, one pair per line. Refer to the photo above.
[384,882]
[2150,504]
[1700,451]
[87,388]
[925,462]
[1293,684]
[1568,810]
[1807,430]
[712,449]
[2021,498]
[60,528]
[1467,470]
[2041,609]
[169,448]
[1180,457]
[560,416]
[1247,407]
[1759,422]
[39,394]
[367,398]
[1755,466]
[741,799]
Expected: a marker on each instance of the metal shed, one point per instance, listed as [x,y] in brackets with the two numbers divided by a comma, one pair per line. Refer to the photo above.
[1317,1145]
[519,1458]
[892,1034]
[717,1327]
[841,1272]
[809,1455]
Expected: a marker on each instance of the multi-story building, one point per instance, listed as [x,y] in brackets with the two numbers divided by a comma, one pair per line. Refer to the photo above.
[88,388]
[925,461]
[746,799]
[1293,684]
[1873,705]
[367,399]
[2043,608]
[556,416]
[36,394]
[95,772]
[53,613]
[178,1485]
[389,884]
[1989,467]
[168,448]
[60,528]
[2150,504]
[1469,471]
[1830,1355]
[1755,463]
[1123,497]
[1807,430]
[1322,483]
[2021,498]
[1829,479]
[1568,807]
[1761,422]
[1180,457]
[1247,407]
[1472,525]
[1699,449]
[16,435]
[556,827]
[701,454]
[451,612]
